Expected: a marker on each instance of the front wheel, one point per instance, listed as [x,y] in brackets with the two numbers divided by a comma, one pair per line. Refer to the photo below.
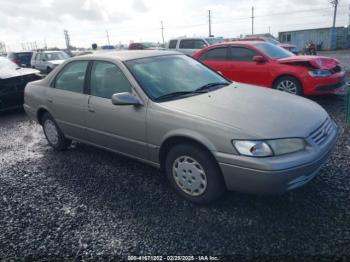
[53,134]
[289,84]
[194,174]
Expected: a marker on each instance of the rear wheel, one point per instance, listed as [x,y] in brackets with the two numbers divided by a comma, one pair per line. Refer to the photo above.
[53,134]
[289,84]
[48,70]
[194,174]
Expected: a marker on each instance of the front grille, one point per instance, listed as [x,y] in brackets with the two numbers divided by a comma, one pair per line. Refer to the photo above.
[322,133]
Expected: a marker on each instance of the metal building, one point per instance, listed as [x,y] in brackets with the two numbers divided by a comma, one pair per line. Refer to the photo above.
[324,38]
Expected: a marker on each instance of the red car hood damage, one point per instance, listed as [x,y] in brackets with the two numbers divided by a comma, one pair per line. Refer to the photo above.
[320,62]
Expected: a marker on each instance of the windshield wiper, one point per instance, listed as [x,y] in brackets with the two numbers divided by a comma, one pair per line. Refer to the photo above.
[211,85]
[178,94]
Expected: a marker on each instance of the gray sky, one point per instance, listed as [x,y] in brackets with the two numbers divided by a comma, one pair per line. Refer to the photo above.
[139,20]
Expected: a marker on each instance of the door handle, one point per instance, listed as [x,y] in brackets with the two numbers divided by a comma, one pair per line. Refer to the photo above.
[91,110]
[49,100]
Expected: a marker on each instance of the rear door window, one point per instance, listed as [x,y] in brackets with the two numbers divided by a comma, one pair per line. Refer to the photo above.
[72,77]
[242,54]
[215,54]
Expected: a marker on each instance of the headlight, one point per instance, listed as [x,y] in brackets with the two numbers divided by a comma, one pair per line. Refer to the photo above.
[253,148]
[285,146]
[270,147]
[320,73]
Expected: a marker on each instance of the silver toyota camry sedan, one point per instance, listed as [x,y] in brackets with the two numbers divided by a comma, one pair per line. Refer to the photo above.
[166,109]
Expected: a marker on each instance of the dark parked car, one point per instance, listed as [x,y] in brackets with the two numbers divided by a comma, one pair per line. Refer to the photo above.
[13,79]
[145,46]
[22,59]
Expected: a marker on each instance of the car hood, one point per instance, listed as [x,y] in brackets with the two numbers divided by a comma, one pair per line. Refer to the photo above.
[56,62]
[320,62]
[9,72]
[259,112]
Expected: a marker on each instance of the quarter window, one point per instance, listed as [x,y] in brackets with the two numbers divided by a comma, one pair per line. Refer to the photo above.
[215,54]
[107,79]
[72,77]
[242,54]
[172,44]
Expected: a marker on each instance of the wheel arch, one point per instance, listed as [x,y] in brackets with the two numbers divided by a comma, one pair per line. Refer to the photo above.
[172,140]
[284,75]
[39,114]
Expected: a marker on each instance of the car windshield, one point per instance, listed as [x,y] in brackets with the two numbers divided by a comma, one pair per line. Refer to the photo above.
[213,41]
[6,64]
[272,41]
[174,74]
[274,51]
[56,56]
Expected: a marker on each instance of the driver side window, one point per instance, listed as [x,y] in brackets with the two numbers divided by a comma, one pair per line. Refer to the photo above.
[107,79]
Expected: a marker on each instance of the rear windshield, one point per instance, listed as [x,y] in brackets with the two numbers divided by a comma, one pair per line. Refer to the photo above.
[274,51]
[56,56]
[213,41]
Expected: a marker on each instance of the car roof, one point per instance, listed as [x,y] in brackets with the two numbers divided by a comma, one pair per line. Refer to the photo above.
[240,43]
[130,54]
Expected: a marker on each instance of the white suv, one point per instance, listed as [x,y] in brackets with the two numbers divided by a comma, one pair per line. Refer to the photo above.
[191,45]
[45,61]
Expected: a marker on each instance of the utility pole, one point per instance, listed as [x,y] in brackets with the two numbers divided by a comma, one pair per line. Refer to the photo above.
[67,38]
[209,23]
[109,43]
[335,4]
[252,20]
[162,28]
[333,30]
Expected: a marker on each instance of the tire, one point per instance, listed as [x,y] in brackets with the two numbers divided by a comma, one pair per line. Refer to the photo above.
[289,84]
[53,134]
[194,158]
[48,70]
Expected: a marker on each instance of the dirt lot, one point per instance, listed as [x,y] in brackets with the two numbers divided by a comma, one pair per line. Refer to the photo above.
[89,203]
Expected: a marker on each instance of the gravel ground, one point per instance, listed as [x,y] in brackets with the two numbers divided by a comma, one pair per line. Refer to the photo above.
[88,203]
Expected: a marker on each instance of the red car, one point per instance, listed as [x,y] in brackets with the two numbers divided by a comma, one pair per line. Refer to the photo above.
[268,65]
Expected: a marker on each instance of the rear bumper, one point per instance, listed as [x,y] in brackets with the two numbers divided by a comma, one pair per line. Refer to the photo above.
[30,113]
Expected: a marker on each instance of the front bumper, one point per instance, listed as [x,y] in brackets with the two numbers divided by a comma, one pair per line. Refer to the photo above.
[333,84]
[274,175]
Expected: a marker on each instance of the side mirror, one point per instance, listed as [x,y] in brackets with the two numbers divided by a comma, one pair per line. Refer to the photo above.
[125,99]
[259,59]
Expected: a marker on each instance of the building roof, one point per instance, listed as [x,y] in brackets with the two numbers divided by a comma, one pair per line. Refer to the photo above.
[312,29]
